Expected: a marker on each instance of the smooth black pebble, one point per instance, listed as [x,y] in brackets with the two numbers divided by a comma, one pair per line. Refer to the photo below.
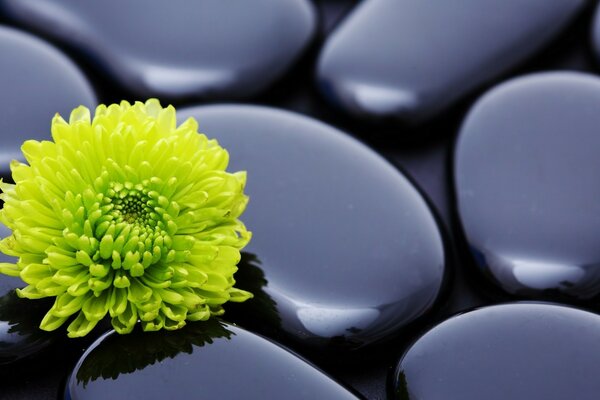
[516,351]
[180,48]
[527,187]
[596,34]
[36,82]
[345,251]
[409,60]
[20,335]
[204,360]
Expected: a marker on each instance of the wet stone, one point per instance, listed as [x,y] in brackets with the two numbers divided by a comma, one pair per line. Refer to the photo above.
[527,188]
[20,336]
[208,360]
[512,351]
[409,60]
[36,82]
[345,251]
[204,49]
[596,34]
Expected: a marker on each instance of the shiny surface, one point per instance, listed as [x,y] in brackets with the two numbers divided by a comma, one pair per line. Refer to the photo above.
[426,161]
[20,336]
[36,81]
[526,171]
[513,351]
[209,48]
[204,360]
[411,59]
[596,34]
[349,251]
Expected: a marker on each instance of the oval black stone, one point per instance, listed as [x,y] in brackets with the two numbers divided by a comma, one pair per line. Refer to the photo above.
[20,335]
[411,59]
[512,351]
[204,360]
[345,251]
[526,171]
[208,48]
[36,82]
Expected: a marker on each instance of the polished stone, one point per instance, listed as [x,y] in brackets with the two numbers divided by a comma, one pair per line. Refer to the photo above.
[204,360]
[513,351]
[526,173]
[20,336]
[36,82]
[409,60]
[203,49]
[345,251]
[596,34]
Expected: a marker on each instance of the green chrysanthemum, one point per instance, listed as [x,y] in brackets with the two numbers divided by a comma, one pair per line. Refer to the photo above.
[128,215]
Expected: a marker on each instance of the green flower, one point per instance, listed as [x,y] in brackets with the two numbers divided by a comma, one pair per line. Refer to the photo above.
[128,215]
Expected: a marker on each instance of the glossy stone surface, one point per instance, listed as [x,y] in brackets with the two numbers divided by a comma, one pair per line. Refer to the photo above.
[512,351]
[20,336]
[209,48]
[596,34]
[526,171]
[36,82]
[345,251]
[204,360]
[409,60]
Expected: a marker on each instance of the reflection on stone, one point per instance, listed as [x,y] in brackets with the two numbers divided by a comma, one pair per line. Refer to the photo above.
[527,186]
[208,360]
[124,354]
[251,277]
[20,335]
[518,351]
[410,60]
[331,322]
[401,390]
[204,49]
[350,253]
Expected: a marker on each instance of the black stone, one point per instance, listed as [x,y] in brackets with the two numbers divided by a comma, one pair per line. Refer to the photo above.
[20,335]
[204,360]
[208,48]
[409,60]
[511,351]
[36,82]
[345,251]
[596,34]
[526,171]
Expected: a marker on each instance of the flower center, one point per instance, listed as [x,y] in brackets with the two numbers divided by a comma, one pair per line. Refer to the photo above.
[129,233]
[132,205]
